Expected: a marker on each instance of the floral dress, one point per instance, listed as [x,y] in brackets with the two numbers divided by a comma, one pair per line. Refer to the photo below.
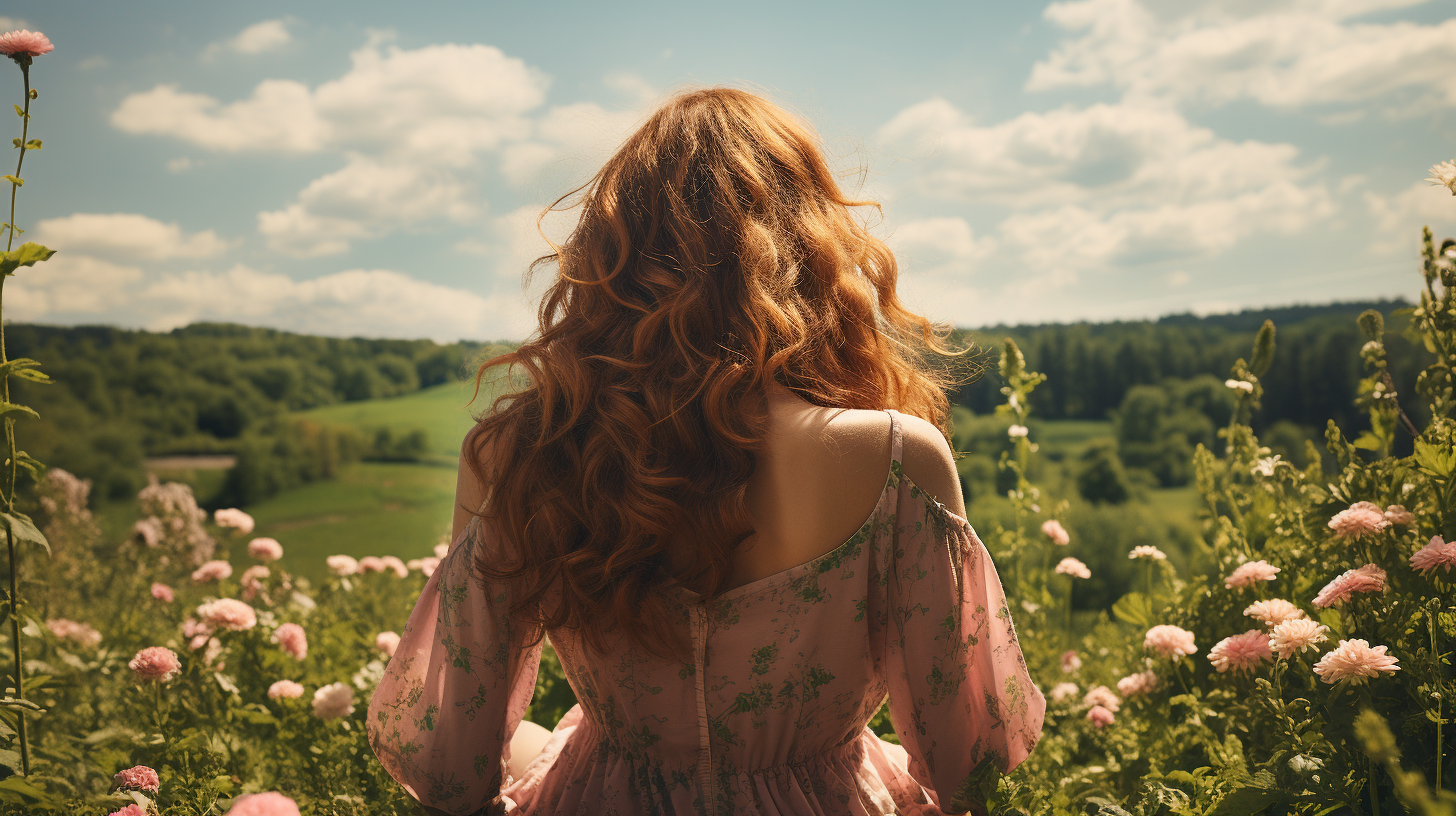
[771,715]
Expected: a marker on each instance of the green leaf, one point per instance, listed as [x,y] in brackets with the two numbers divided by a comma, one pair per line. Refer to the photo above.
[1263,349]
[33,144]
[1250,799]
[16,180]
[28,254]
[23,529]
[1135,608]
[7,408]
[17,790]
[30,463]
[24,368]
[20,705]
[19,111]
[1435,460]
[1367,441]
[1331,617]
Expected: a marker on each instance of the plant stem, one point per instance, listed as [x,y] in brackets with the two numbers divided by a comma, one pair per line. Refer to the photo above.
[1374,797]
[9,494]
[24,131]
[1440,746]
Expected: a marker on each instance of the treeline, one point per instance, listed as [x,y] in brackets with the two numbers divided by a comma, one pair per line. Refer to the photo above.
[1091,367]
[119,395]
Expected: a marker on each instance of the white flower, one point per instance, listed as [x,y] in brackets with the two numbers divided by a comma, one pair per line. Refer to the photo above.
[1240,385]
[1444,174]
[369,676]
[333,700]
[1014,402]
[1030,607]
[1265,467]
[1147,551]
[1016,431]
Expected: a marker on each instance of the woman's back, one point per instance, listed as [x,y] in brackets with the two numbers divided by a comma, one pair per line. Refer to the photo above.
[788,667]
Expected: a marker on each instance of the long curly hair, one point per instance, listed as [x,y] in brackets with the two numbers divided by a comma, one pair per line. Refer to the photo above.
[714,252]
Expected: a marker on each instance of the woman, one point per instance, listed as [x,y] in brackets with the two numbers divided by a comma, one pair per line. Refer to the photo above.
[705,419]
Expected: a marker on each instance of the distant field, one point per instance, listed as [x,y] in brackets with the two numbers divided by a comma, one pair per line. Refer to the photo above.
[1069,437]
[440,411]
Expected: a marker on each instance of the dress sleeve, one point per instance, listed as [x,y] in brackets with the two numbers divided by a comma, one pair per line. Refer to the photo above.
[961,699]
[442,717]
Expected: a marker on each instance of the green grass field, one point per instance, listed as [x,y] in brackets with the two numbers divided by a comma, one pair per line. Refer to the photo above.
[441,411]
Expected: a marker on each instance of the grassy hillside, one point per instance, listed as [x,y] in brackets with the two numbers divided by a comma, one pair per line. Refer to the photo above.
[441,411]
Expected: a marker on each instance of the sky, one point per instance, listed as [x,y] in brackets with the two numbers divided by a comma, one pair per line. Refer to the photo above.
[372,169]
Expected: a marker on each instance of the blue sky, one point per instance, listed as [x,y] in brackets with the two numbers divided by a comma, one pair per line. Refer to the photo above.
[375,169]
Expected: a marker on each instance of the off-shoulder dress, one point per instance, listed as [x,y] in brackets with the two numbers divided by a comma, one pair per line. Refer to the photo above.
[771,715]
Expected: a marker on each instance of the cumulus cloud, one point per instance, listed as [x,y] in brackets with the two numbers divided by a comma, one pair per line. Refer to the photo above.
[1399,217]
[280,116]
[125,236]
[367,197]
[939,246]
[1281,53]
[255,39]
[1108,183]
[371,302]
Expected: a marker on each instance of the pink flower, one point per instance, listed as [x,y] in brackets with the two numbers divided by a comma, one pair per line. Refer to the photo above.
[391,562]
[291,637]
[212,571]
[162,592]
[138,778]
[1246,574]
[1169,641]
[1354,660]
[192,628]
[228,613]
[263,804]
[1063,690]
[234,518]
[1435,554]
[1240,652]
[1397,514]
[1102,696]
[1368,578]
[1362,519]
[1273,612]
[386,642]
[342,564]
[1296,635]
[1054,530]
[23,43]
[285,688]
[1100,716]
[71,630]
[1070,662]
[155,663]
[1139,683]
[371,563]
[441,550]
[150,530]
[333,700]
[265,549]
[1073,567]
[252,581]
[129,810]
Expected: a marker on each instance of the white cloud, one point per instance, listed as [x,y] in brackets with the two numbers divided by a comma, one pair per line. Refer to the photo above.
[255,39]
[372,302]
[367,197]
[1123,183]
[1281,54]
[13,23]
[1399,217]
[938,247]
[279,116]
[260,37]
[125,235]
[585,131]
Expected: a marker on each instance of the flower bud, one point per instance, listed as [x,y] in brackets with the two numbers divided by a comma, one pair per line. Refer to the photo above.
[34,94]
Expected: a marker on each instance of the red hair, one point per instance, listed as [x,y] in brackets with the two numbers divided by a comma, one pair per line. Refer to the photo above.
[714,252]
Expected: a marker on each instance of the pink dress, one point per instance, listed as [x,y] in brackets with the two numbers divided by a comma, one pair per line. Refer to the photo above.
[769,718]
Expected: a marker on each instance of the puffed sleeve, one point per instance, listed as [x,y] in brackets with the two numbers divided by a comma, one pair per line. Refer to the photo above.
[442,717]
[960,692]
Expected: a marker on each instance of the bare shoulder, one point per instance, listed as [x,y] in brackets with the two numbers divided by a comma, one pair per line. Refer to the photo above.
[930,464]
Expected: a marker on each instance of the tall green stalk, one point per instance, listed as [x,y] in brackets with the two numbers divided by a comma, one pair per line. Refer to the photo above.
[10,457]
